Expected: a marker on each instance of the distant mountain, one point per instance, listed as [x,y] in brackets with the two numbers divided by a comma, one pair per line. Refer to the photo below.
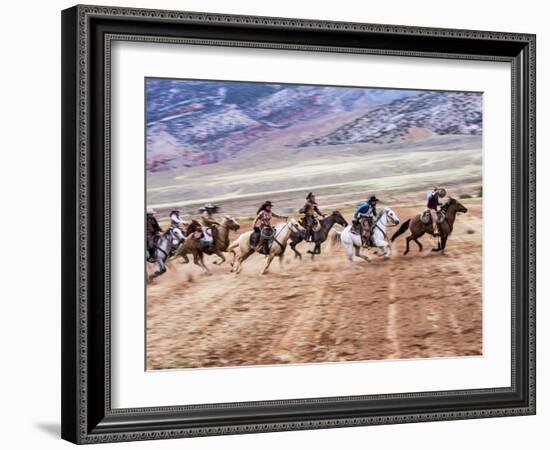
[200,122]
[423,115]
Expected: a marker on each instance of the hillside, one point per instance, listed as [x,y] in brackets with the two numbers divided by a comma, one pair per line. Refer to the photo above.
[423,115]
[191,123]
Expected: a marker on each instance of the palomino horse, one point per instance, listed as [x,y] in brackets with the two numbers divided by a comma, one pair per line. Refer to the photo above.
[220,244]
[283,232]
[320,235]
[418,228]
[352,241]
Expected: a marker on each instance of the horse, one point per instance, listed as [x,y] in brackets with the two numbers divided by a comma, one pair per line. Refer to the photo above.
[193,246]
[220,243]
[320,235]
[282,234]
[352,241]
[163,248]
[418,228]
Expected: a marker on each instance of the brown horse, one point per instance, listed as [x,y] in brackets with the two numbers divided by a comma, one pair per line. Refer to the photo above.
[418,228]
[193,246]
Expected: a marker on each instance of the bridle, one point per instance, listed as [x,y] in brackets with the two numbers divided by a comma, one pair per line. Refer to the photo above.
[387,225]
[287,224]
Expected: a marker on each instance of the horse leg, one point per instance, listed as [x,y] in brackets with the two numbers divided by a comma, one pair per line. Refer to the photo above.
[297,254]
[281,260]
[358,254]
[267,263]
[237,267]
[162,267]
[221,260]
[199,261]
[349,252]
[183,253]
[443,244]
[409,238]
[231,250]
[316,250]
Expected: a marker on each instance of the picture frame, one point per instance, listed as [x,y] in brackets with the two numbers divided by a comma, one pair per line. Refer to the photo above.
[87,35]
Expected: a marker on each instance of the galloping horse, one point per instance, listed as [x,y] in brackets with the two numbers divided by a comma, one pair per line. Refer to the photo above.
[352,241]
[192,245]
[283,232]
[162,250]
[320,235]
[220,244]
[418,228]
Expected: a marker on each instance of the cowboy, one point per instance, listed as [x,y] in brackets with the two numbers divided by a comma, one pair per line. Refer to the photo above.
[175,222]
[208,224]
[262,227]
[363,216]
[309,220]
[153,232]
[433,206]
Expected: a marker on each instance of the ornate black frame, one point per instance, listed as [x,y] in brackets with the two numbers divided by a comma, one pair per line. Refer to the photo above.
[87,32]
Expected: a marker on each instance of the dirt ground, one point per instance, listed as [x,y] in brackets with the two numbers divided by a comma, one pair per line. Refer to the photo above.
[323,310]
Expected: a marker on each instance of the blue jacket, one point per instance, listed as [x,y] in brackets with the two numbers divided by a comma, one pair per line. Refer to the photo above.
[364,209]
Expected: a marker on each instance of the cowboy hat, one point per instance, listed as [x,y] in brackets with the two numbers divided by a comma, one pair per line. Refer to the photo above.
[151,211]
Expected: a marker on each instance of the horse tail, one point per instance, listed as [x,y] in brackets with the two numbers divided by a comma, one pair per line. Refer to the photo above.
[401,230]
[335,237]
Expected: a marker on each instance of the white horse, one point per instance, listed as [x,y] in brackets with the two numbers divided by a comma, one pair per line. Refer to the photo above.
[352,241]
[278,245]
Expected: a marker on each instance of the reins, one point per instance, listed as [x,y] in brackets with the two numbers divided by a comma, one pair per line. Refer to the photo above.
[280,231]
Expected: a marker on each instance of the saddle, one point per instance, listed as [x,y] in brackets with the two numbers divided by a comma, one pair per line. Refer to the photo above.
[208,244]
[316,226]
[315,222]
[426,217]
[357,228]
[262,241]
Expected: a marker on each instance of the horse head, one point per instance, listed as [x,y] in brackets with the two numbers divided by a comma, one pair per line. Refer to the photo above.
[295,227]
[391,214]
[339,218]
[461,208]
[231,223]
[456,205]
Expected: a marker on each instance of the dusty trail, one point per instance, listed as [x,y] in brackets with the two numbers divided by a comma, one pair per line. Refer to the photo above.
[419,305]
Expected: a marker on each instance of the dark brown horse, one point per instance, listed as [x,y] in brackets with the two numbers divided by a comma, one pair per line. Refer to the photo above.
[320,235]
[418,228]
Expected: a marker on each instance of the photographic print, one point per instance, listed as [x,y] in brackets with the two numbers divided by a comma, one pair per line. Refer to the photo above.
[293,224]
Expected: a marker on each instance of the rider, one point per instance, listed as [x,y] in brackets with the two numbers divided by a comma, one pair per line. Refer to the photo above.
[153,233]
[309,210]
[208,224]
[433,206]
[175,222]
[364,214]
[263,220]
